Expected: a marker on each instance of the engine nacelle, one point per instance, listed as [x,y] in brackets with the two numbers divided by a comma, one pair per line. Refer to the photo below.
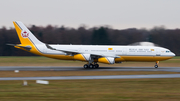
[107,60]
[82,57]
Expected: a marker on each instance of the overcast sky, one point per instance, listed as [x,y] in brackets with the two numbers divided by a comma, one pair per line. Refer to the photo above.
[118,14]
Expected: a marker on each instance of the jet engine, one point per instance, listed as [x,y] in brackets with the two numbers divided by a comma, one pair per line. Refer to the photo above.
[82,57]
[107,60]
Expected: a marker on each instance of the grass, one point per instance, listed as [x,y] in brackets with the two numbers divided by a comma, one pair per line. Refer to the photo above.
[87,90]
[93,90]
[43,61]
[28,59]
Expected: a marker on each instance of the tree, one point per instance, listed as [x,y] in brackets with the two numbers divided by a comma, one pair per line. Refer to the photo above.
[100,37]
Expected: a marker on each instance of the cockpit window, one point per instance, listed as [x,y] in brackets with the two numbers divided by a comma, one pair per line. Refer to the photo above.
[168,51]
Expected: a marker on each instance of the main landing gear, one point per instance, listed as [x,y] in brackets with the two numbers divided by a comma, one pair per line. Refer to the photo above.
[91,66]
[156,65]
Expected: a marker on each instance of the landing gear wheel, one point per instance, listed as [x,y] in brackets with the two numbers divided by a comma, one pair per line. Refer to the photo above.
[86,66]
[91,66]
[96,65]
[156,66]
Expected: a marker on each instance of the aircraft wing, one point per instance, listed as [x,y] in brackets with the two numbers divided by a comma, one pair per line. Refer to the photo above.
[73,52]
[68,52]
[105,55]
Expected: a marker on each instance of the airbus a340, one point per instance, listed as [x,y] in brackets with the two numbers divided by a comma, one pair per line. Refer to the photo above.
[92,54]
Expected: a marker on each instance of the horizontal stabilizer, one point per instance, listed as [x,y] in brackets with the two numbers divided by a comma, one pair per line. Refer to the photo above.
[19,45]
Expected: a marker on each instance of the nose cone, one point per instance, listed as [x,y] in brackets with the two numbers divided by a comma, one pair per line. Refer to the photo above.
[172,54]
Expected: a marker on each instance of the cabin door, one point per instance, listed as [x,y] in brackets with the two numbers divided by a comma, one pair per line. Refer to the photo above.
[124,52]
[158,52]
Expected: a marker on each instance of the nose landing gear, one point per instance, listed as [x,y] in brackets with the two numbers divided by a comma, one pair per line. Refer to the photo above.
[156,65]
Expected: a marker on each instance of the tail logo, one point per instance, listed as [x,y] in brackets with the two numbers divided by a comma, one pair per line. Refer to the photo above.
[24,34]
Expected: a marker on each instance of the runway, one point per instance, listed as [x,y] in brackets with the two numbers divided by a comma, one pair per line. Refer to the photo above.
[94,77]
[31,68]
[47,68]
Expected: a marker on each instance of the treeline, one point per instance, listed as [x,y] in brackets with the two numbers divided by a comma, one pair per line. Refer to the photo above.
[91,36]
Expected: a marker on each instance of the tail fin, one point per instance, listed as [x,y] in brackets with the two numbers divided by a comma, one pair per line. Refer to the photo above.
[25,36]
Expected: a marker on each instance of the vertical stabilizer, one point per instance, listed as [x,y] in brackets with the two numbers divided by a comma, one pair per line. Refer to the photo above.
[25,36]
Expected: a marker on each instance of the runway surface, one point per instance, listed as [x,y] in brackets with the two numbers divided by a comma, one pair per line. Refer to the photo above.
[94,77]
[46,68]
[31,68]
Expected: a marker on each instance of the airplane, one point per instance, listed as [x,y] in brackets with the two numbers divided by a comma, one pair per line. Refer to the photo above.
[92,54]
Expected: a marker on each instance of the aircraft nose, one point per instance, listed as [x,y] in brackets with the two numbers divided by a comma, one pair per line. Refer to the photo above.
[172,54]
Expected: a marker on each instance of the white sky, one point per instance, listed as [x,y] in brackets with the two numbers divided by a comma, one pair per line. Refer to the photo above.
[119,14]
